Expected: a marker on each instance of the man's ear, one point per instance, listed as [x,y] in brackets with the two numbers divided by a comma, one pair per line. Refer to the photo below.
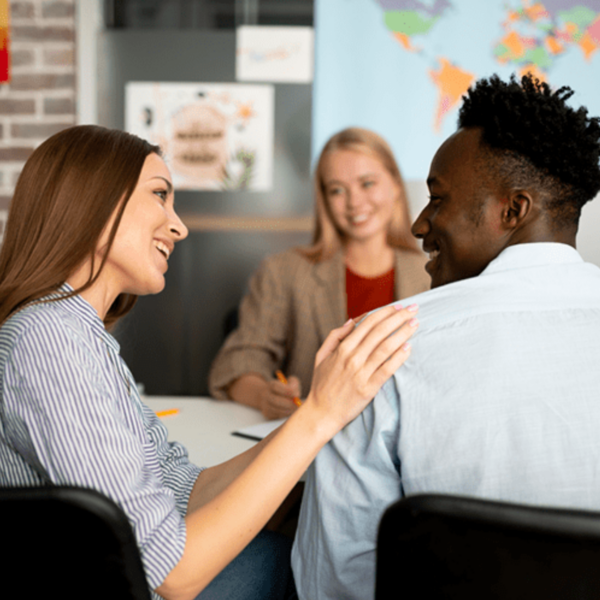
[517,208]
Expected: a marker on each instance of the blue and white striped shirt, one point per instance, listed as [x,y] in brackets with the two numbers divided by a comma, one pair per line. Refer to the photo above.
[70,414]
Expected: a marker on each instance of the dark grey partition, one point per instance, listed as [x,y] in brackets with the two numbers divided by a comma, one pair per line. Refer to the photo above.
[170,339]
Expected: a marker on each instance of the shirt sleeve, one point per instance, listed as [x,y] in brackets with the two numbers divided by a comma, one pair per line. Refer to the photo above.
[69,416]
[259,343]
[179,474]
[351,482]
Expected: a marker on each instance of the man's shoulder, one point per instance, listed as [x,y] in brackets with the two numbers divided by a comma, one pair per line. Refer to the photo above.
[529,289]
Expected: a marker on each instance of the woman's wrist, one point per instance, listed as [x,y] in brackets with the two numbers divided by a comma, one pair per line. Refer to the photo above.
[324,423]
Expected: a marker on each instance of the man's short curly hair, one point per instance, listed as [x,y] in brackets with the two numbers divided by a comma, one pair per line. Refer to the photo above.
[535,140]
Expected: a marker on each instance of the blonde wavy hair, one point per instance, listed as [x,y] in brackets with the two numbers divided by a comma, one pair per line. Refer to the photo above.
[327,239]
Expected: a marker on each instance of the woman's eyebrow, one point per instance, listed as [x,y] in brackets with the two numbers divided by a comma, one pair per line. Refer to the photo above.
[359,177]
[167,182]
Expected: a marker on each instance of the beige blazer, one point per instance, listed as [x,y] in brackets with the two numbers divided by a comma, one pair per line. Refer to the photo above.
[291,306]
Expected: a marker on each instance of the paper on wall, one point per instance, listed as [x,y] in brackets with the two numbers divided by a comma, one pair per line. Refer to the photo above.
[268,53]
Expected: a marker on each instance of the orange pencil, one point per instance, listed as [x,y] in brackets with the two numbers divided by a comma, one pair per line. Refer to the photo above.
[167,413]
[283,380]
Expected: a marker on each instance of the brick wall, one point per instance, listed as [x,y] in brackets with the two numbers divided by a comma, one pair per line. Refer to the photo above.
[40,98]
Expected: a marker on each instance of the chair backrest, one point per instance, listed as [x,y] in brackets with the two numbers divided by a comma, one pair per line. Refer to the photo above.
[68,541]
[466,548]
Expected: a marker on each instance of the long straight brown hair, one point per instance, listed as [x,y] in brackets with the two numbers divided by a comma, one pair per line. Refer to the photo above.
[66,194]
[327,239]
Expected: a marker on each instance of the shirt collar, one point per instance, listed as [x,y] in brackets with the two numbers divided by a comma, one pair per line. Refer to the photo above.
[522,256]
[83,310]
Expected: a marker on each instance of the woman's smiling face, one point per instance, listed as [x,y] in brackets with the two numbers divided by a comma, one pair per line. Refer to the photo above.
[145,238]
[360,193]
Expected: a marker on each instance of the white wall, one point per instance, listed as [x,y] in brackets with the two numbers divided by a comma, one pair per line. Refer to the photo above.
[88,22]
[418,196]
[588,238]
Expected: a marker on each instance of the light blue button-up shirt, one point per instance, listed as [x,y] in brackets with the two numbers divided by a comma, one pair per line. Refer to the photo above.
[500,399]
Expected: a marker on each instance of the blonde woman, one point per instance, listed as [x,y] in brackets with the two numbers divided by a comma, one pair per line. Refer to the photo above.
[363,256]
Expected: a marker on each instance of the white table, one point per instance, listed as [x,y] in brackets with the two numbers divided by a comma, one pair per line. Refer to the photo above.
[204,426]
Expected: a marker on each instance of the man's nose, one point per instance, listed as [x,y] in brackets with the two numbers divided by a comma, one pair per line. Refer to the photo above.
[421,226]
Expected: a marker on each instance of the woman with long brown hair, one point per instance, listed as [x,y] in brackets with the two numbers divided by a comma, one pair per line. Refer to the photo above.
[362,256]
[91,226]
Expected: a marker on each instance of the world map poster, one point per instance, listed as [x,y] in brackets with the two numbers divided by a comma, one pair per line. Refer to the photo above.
[401,67]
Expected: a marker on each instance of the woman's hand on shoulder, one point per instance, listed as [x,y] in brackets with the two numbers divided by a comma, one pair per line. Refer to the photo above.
[355,361]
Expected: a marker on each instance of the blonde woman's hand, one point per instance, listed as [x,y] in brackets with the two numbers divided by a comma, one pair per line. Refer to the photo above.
[272,397]
[277,399]
[355,361]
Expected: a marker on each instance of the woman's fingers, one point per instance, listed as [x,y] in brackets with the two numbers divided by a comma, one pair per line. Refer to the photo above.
[332,341]
[377,349]
[278,400]
[295,385]
[389,355]
[385,336]
[360,341]
[378,324]
[289,389]
[360,344]
[355,364]
[277,407]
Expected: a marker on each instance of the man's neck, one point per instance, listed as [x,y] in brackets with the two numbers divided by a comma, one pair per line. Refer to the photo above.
[543,231]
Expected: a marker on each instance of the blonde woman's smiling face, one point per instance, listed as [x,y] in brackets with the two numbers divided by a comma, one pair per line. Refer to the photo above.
[360,193]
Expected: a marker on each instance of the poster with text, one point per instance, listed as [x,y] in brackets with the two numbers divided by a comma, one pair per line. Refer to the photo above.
[214,136]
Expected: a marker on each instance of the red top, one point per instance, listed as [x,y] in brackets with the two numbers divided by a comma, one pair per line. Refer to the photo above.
[364,294]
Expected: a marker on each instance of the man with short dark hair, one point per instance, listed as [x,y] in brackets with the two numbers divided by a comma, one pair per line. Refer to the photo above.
[501,396]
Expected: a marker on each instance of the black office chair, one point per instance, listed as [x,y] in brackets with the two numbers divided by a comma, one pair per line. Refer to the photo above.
[69,542]
[436,546]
